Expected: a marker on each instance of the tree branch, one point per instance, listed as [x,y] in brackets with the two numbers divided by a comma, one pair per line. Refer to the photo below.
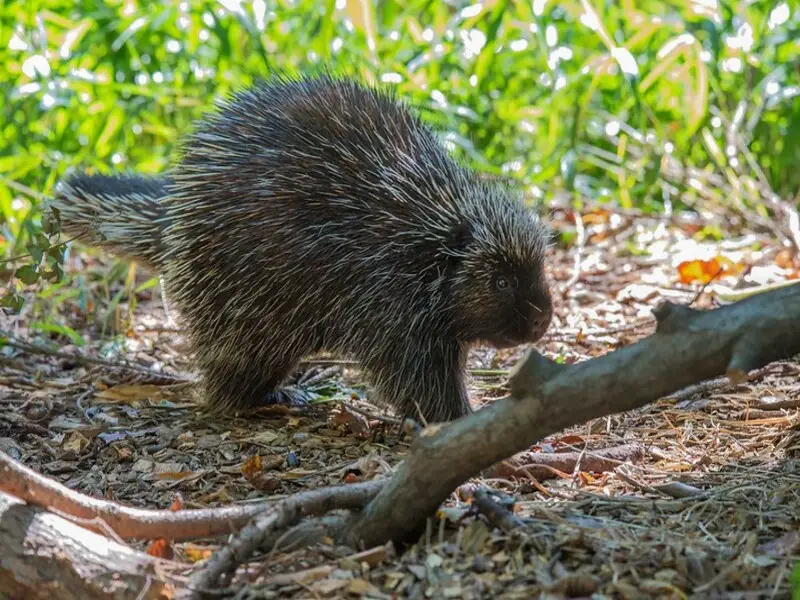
[142,524]
[547,397]
[43,556]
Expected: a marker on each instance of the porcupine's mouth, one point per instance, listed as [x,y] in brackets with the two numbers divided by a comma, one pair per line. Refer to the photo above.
[532,336]
[506,342]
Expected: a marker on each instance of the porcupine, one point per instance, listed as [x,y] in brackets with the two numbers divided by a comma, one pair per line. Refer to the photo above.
[320,214]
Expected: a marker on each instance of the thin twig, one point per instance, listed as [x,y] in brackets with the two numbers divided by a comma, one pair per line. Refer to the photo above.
[705,285]
[64,243]
[371,415]
[497,514]
[14,342]
[284,514]
[580,244]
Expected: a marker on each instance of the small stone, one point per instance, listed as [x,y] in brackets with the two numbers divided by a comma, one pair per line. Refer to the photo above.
[434,561]
[10,447]
[142,466]
[418,571]
[480,564]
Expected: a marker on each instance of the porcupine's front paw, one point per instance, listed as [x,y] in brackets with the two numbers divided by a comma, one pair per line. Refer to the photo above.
[289,396]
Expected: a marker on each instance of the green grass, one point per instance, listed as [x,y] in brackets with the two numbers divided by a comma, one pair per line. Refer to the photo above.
[577,101]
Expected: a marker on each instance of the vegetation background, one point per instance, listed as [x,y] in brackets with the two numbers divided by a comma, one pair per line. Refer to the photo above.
[639,104]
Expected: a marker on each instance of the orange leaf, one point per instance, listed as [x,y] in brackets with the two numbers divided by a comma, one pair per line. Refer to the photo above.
[252,466]
[196,553]
[597,216]
[703,271]
[570,439]
[175,475]
[160,548]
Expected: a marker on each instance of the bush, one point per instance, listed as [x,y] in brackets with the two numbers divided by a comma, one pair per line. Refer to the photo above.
[631,103]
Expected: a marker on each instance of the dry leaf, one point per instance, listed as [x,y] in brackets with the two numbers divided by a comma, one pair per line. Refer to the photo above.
[327,587]
[265,437]
[160,548]
[252,467]
[359,587]
[253,471]
[265,482]
[786,259]
[298,473]
[302,577]
[342,416]
[74,443]
[131,393]
[372,557]
[177,504]
[703,271]
[174,475]
[196,553]
[572,440]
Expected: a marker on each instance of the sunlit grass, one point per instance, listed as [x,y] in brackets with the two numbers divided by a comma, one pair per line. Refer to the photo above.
[633,103]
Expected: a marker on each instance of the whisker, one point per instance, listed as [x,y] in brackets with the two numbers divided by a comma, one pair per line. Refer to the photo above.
[532,305]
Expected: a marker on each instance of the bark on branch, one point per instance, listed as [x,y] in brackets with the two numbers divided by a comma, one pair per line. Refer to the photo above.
[44,556]
[547,397]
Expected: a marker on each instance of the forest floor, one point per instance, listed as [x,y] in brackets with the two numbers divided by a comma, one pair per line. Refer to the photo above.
[697,495]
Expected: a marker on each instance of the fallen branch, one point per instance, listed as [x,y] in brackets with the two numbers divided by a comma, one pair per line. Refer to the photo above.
[10,340]
[43,556]
[129,523]
[281,515]
[548,465]
[688,346]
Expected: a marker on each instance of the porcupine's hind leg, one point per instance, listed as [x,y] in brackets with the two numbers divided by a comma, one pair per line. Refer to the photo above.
[422,379]
[249,378]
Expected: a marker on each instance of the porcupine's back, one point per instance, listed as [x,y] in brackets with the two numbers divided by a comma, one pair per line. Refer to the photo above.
[325,202]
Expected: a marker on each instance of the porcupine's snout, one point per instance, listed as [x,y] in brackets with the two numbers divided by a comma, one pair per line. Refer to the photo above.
[540,316]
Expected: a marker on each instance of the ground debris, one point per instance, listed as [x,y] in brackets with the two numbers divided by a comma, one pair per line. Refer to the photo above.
[695,495]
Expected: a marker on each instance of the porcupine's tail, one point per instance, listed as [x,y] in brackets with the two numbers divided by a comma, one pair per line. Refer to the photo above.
[122,213]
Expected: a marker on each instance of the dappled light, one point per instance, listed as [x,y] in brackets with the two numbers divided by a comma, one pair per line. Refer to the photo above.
[657,142]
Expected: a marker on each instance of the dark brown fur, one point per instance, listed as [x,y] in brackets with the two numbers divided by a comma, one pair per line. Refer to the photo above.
[318,214]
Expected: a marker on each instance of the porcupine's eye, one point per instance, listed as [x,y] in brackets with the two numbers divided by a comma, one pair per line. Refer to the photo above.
[502,283]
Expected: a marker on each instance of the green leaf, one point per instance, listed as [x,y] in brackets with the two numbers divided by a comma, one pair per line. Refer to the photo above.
[147,285]
[61,329]
[28,274]
[55,275]
[42,241]
[56,253]
[12,301]
[36,253]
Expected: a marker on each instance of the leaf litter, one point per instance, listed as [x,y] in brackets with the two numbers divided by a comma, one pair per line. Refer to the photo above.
[696,495]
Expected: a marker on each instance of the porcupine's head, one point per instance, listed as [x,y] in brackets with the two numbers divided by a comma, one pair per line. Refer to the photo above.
[500,292]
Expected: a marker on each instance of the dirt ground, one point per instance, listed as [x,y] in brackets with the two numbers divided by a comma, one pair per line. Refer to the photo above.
[700,499]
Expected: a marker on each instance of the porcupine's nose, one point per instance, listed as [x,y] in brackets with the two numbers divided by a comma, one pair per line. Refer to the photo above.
[541,316]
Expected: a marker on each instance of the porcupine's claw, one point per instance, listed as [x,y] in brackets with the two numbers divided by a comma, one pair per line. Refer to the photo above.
[290,396]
